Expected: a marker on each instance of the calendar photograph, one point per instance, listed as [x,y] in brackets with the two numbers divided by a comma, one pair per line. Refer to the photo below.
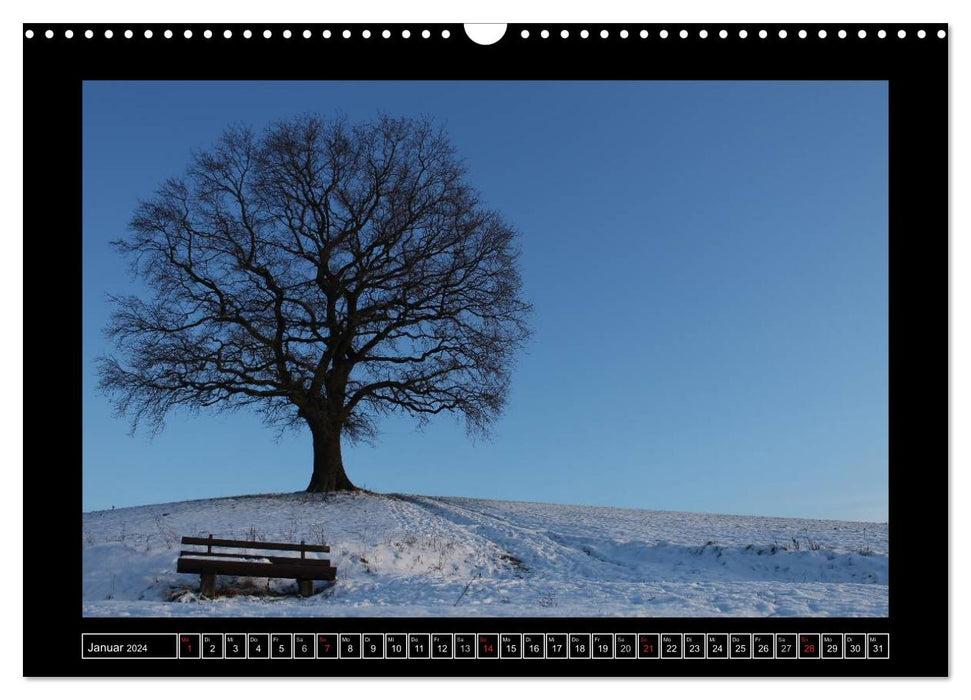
[485,349]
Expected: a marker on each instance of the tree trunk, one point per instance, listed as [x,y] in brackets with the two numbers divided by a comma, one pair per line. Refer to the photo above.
[328,465]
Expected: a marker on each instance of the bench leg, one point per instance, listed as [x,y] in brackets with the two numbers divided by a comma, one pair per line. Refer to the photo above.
[306,586]
[208,588]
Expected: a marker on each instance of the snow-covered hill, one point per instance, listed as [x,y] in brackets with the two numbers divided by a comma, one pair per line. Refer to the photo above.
[399,555]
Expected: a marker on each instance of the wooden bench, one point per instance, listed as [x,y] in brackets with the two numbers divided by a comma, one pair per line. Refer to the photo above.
[238,563]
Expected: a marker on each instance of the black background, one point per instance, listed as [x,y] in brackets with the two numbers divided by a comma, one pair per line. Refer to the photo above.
[917,71]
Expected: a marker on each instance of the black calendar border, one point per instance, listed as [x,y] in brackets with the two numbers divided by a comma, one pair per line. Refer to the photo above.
[917,71]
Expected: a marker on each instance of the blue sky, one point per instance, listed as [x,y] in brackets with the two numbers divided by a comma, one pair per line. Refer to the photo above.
[708,267]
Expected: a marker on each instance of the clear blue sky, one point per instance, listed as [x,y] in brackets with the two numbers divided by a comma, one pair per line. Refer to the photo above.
[707,262]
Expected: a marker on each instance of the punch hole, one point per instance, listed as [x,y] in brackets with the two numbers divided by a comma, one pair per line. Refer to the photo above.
[89,34]
[485,34]
[941,34]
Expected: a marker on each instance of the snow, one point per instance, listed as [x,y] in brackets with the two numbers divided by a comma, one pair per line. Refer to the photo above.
[415,556]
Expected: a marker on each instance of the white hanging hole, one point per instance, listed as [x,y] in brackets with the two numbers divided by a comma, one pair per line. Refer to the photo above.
[763,34]
[842,34]
[148,33]
[624,34]
[683,34]
[487,34]
[29,34]
[49,33]
[207,34]
[564,34]
[68,34]
[366,34]
[822,33]
[664,34]
[187,33]
[703,33]
[109,33]
[227,34]
[882,34]
[346,34]
[129,34]
[742,34]
[723,34]
[783,33]
[584,34]
[545,34]
[803,34]
[604,33]
[267,33]
[405,34]
[941,34]
[425,34]
[326,34]
[287,34]
[901,34]
[643,34]
[386,34]
[921,34]
[861,33]
[524,34]
[167,34]
[446,34]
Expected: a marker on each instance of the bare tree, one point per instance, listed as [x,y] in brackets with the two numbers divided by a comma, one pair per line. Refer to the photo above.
[324,273]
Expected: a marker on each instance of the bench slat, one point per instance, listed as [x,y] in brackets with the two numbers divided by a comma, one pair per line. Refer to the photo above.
[244,544]
[190,565]
[268,557]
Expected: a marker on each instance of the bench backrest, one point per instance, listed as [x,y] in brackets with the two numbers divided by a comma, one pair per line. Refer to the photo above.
[211,542]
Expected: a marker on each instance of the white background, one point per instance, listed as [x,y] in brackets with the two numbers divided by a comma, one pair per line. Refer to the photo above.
[11,349]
